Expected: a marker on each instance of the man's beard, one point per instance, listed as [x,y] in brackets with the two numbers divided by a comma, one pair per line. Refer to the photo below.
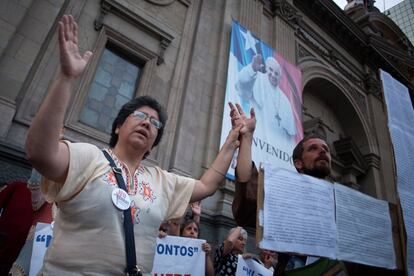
[317,171]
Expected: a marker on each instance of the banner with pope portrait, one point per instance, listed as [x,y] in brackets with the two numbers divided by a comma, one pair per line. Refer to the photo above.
[258,77]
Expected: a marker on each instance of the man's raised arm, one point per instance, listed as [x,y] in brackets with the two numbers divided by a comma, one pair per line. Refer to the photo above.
[244,203]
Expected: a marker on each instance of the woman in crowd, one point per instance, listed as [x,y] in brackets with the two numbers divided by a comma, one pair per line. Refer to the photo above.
[89,233]
[42,212]
[190,229]
[225,261]
[16,217]
[267,258]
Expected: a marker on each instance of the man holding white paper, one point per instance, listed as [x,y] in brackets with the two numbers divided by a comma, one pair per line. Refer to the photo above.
[314,217]
[311,156]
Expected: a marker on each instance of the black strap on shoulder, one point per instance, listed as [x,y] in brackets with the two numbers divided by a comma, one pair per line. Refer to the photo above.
[132,268]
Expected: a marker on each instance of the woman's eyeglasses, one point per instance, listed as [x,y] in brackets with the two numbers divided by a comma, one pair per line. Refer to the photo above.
[142,116]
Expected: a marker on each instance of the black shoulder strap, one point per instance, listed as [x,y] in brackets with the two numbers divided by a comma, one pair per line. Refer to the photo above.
[132,268]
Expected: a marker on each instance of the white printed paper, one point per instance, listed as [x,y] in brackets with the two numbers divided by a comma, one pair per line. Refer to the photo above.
[42,239]
[250,267]
[298,213]
[400,120]
[364,228]
[299,216]
[179,256]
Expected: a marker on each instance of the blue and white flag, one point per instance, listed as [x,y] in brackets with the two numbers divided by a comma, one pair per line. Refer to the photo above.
[274,91]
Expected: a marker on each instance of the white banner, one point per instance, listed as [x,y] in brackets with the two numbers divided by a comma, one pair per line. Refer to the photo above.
[42,239]
[250,267]
[179,256]
[299,216]
[400,122]
[364,228]
[299,213]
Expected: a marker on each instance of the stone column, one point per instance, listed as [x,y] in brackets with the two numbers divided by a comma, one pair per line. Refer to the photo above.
[285,23]
[250,16]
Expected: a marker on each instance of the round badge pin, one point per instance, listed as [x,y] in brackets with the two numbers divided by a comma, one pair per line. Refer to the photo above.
[121,199]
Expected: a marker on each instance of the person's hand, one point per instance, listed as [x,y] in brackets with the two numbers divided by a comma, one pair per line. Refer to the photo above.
[232,139]
[257,64]
[206,248]
[269,258]
[247,256]
[162,234]
[71,61]
[196,208]
[238,118]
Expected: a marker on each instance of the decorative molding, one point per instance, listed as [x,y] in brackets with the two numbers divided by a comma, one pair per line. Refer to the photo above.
[373,160]
[359,98]
[331,55]
[405,57]
[354,163]
[302,52]
[332,19]
[105,9]
[316,126]
[372,85]
[349,153]
[361,39]
[161,2]
[168,2]
[404,41]
[116,7]
[287,12]
[311,42]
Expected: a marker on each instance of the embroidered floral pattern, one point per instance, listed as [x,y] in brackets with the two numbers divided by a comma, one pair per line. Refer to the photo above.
[140,170]
[109,178]
[146,191]
[130,185]
[135,213]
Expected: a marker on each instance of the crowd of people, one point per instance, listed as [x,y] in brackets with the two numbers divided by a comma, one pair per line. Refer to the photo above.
[95,198]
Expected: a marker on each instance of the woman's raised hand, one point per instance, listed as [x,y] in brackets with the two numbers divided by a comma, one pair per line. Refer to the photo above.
[72,62]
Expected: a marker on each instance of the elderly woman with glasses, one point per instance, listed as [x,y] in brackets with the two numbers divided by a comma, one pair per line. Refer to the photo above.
[88,231]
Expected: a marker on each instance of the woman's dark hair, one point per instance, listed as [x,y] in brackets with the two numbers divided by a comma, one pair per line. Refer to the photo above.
[188,222]
[130,107]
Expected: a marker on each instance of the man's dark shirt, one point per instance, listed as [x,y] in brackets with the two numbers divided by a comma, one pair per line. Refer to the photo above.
[245,201]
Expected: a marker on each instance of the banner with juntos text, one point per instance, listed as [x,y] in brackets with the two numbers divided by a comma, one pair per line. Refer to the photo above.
[179,256]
